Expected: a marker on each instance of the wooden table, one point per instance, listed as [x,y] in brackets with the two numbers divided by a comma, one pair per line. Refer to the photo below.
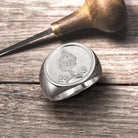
[107,109]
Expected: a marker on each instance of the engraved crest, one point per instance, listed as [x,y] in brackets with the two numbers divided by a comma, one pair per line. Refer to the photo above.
[71,72]
[67,61]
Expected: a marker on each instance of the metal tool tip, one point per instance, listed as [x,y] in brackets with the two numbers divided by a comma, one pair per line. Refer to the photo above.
[25,42]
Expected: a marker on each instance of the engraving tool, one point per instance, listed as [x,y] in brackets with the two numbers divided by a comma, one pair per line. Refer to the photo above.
[105,15]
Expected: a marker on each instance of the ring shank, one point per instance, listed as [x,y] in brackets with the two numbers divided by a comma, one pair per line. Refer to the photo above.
[75,90]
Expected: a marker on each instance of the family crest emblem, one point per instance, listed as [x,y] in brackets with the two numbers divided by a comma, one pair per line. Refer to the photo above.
[71,72]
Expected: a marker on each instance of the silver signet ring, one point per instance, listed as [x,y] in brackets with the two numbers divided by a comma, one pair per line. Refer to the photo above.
[68,70]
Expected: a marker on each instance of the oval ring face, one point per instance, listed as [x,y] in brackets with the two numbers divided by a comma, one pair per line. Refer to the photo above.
[69,64]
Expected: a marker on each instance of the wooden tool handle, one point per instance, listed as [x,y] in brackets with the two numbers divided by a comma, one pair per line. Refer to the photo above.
[105,15]
[70,23]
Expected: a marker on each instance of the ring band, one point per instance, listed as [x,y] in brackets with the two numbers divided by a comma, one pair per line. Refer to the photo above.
[68,70]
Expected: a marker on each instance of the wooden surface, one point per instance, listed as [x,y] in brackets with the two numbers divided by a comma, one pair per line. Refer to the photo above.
[108,109]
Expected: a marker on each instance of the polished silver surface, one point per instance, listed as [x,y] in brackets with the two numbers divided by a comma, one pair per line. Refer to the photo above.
[68,70]
[69,64]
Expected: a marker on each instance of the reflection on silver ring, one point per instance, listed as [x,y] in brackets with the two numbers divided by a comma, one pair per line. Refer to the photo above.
[68,70]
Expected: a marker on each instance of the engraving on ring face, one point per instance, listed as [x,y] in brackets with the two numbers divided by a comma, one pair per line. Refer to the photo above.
[69,65]
[71,72]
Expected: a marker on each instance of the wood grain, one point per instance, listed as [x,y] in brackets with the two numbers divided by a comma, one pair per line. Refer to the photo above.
[43,10]
[101,111]
[106,110]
